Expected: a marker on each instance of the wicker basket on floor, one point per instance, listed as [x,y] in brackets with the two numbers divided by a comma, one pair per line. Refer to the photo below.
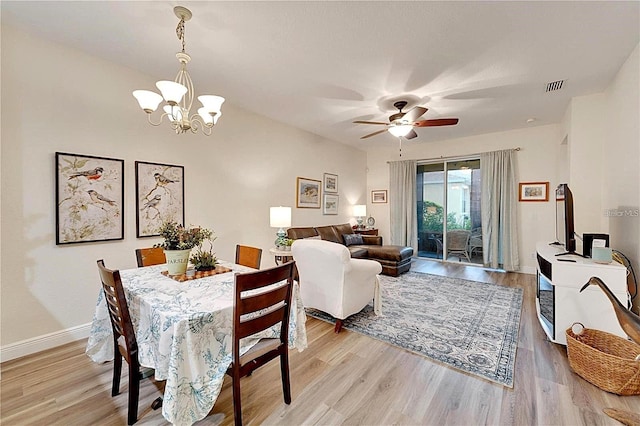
[606,360]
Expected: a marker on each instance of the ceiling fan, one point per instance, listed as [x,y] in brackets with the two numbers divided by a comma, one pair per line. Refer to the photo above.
[402,123]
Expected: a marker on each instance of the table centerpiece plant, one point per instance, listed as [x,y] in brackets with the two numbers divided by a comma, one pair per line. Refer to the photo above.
[178,243]
[204,259]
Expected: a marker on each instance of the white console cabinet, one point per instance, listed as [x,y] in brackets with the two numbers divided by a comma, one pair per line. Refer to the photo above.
[559,302]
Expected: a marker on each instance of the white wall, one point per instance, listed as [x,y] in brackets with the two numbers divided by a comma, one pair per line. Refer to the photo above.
[586,154]
[540,148]
[621,167]
[58,99]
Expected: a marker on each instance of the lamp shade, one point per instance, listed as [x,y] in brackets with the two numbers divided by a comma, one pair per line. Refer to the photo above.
[280,217]
[172,92]
[206,117]
[400,130]
[147,99]
[211,103]
[360,210]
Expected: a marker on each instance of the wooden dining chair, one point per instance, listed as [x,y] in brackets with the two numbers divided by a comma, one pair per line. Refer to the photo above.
[124,341]
[255,313]
[150,256]
[248,256]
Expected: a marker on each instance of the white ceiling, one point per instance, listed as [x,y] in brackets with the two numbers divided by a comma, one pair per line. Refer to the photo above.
[320,65]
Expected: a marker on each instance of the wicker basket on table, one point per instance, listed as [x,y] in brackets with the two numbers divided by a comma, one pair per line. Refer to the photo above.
[606,360]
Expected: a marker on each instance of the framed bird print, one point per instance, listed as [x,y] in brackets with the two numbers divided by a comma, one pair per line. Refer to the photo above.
[89,198]
[159,197]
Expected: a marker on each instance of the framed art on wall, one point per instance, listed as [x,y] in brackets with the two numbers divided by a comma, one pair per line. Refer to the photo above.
[330,204]
[159,197]
[307,193]
[534,191]
[379,196]
[89,198]
[330,183]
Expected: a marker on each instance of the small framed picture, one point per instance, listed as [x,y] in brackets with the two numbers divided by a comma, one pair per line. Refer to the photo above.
[330,183]
[534,191]
[307,193]
[379,196]
[89,198]
[330,204]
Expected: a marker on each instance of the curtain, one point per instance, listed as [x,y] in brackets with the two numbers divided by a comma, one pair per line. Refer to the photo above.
[498,208]
[402,199]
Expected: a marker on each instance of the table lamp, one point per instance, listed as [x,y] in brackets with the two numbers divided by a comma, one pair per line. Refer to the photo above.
[360,211]
[280,217]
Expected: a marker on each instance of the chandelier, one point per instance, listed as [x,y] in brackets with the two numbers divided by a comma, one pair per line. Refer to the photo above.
[178,94]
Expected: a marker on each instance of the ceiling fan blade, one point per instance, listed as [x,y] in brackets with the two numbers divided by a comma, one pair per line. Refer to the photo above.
[413,114]
[436,122]
[373,134]
[412,134]
[369,122]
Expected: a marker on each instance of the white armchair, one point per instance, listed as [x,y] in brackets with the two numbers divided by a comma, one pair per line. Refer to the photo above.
[332,282]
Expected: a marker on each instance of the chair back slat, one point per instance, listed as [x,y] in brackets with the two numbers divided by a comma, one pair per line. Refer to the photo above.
[150,256]
[248,256]
[262,322]
[262,278]
[264,300]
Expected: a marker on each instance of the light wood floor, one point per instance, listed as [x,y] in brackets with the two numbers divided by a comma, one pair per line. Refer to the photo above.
[340,379]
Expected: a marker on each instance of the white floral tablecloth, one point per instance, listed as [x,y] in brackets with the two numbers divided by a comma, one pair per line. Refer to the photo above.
[184,333]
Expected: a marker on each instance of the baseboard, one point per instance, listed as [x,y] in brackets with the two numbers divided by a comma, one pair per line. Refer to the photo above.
[44,342]
[528,270]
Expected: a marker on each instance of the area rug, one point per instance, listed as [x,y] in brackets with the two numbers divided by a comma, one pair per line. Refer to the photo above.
[467,325]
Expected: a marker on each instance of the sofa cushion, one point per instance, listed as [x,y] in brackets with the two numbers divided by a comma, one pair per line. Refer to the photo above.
[297,233]
[358,252]
[342,229]
[328,233]
[351,239]
[372,239]
[393,253]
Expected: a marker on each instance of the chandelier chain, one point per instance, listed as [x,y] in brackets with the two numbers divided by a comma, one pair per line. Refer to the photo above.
[180,32]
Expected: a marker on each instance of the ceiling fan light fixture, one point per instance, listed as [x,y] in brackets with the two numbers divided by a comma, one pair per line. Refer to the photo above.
[400,130]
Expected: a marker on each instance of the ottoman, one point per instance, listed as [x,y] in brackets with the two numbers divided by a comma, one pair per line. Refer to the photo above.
[395,260]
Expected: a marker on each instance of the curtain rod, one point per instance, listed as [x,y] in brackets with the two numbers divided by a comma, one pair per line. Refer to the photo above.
[458,157]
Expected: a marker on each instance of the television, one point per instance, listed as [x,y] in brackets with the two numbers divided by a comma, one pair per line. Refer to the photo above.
[565,234]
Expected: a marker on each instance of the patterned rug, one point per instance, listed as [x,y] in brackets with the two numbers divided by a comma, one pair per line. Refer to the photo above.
[467,325]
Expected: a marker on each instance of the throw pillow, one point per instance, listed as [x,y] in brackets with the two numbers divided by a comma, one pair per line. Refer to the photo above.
[351,239]
[315,237]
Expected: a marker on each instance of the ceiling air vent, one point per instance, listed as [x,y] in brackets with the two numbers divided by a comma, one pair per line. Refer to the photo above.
[554,85]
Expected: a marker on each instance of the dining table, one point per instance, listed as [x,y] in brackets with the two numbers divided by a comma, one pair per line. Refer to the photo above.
[184,332]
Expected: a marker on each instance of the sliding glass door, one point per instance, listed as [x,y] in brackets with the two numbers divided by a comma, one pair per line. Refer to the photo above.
[448,207]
